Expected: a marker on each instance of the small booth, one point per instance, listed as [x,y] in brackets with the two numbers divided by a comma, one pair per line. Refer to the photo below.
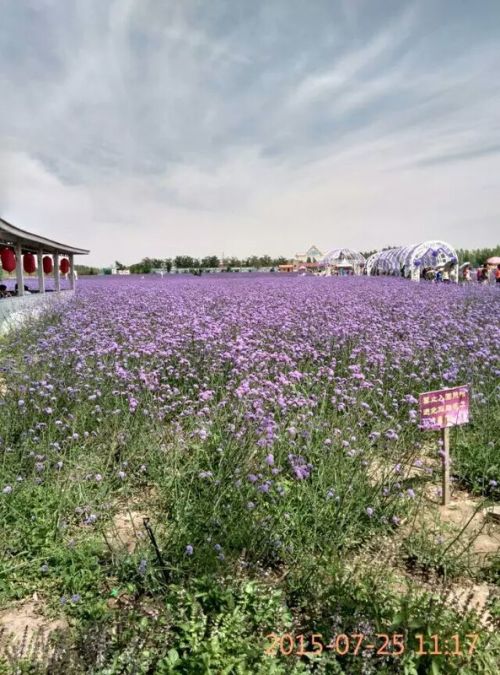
[25,256]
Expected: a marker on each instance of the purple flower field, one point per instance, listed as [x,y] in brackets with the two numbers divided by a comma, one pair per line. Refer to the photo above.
[266,425]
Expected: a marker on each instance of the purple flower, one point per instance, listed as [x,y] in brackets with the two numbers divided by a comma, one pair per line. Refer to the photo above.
[270,459]
[265,487]
[7,489]
[141,570]
[369,511]
[189,550]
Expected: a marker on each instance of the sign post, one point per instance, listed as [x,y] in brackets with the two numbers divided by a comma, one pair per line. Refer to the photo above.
[445,500]
[440,410]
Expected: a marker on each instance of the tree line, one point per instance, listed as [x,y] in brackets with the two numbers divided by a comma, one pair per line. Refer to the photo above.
[187,262]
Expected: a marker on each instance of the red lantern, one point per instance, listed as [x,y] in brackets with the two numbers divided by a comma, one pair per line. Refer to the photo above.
[64,266]
[47,263]
[29,263]
[8,258]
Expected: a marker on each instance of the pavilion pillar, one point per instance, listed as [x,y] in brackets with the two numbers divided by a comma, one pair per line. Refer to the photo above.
[19,269]
[72,271]
[57,273]
[41,278]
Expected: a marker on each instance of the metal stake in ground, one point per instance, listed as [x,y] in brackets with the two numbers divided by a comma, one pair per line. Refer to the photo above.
[159,556]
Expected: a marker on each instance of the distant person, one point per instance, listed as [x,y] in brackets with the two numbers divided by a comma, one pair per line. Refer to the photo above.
[484,274]
[445,276]
[497,275]
[466,274]
[3,291]
[439,276]
[479,274]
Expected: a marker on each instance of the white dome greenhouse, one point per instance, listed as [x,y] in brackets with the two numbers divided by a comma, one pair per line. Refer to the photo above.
[344,261]
[414,261]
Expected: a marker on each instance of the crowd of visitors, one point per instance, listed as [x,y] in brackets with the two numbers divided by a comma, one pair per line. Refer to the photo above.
[485,274]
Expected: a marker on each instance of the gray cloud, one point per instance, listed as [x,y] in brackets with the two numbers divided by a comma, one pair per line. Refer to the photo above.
[138,127]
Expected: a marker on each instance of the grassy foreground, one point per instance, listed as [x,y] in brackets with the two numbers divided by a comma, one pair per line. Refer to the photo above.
[227,476]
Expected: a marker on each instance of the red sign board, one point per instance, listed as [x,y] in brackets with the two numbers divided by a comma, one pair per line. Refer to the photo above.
[444,408]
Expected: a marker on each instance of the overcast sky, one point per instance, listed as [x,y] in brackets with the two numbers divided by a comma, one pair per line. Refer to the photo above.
[163,127]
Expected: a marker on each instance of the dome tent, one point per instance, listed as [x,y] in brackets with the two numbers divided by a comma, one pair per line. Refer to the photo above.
[344,258]
[409,261]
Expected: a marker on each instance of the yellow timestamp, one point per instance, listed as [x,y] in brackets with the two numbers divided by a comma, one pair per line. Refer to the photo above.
[382,644]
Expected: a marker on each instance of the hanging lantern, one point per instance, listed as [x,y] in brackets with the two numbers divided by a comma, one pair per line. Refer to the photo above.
[47,263]
[8,258]
[64,266]
[29,263]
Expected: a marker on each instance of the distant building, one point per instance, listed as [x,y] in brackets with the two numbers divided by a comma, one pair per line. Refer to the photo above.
[312,255]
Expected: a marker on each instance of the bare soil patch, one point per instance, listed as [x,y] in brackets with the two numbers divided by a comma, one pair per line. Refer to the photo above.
[26,632]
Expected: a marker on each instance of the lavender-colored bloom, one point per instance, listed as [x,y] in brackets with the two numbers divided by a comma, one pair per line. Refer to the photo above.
[7,489]
[369,511]
[189,550]
[270,459]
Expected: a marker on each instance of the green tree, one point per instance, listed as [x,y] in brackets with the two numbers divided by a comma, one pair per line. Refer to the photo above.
[183,261]
[210,261]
